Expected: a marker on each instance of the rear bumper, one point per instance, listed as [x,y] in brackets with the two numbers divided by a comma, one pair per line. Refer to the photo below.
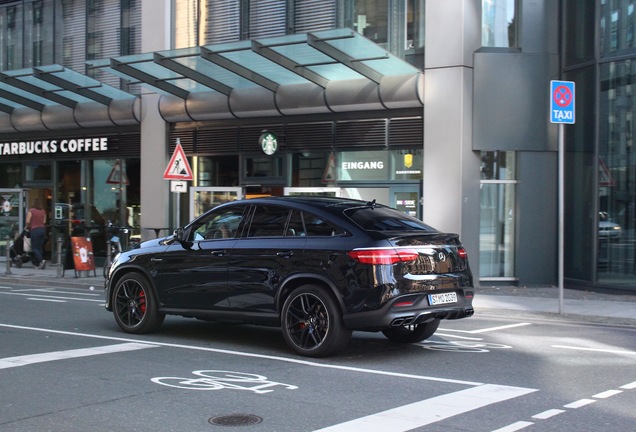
[393,315]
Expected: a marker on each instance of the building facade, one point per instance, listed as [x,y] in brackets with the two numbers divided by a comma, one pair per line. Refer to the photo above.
[437,107]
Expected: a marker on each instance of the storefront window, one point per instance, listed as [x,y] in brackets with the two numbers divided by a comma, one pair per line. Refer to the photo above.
[617,175]
[36,172]
[499,23]
[497,217]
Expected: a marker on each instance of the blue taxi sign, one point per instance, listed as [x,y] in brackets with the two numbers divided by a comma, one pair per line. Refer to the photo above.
[562,102]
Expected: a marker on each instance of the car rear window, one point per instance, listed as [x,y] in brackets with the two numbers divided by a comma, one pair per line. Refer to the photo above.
[385,219]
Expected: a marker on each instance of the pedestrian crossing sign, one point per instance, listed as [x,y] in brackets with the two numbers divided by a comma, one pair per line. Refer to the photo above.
[178,168]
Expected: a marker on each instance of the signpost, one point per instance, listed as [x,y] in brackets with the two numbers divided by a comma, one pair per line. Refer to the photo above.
[178,171]
[562,94]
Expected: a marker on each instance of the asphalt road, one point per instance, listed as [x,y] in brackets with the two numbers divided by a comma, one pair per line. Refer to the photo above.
[65,366]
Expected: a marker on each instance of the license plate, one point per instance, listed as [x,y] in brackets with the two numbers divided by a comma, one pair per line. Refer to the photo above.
[437,299]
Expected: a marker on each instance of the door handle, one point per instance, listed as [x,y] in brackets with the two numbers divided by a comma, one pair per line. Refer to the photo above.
[285,254]
[219,252]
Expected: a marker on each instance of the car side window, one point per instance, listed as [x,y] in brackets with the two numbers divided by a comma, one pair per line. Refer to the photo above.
[268,221]
[295,226]
[216,225]
[318,227]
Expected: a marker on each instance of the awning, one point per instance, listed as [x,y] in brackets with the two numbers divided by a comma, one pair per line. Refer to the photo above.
[55,98]
[320,72]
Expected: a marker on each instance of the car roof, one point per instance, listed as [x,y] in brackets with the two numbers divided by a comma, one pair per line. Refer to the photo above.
[328,204]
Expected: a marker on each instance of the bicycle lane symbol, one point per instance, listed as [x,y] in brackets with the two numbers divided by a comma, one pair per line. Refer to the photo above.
[219,380]
[462,346]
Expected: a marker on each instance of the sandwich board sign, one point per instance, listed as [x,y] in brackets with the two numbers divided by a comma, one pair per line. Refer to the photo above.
[178,168]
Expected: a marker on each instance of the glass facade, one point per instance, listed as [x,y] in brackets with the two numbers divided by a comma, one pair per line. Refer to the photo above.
[81,194]
[600,160]
[397,26]
[497,216]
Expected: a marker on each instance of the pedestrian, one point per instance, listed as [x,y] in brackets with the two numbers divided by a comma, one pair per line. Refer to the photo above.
[35,223]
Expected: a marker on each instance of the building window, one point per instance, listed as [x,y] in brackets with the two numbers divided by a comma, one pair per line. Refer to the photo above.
[499,23]
[497,216]
[37,53]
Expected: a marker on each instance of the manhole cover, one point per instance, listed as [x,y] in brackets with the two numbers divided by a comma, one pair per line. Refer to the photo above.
[236,420]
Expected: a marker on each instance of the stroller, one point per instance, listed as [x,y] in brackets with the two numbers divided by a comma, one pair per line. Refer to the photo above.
[17,253]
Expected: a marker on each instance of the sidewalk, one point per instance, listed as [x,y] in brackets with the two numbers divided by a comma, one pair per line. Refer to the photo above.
[582,306]
[578,305]
[27,275]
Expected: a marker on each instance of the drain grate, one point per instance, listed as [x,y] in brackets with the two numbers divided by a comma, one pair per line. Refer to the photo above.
[235,420]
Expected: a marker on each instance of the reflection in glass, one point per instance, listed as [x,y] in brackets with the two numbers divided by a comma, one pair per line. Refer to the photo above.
[499,23]
[617,176]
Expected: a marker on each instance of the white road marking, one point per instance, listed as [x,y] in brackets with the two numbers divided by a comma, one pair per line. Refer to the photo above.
[606,394]
[46,300]
[579,403]
[547,414]
[57,291]
[489,329]
[458,337]
[595,349]
[629,386]
[32,294]
[431,410]
[25,360]
[514,427]
[252,355]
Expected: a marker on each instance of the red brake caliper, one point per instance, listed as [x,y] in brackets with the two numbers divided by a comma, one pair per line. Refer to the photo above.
[142,302]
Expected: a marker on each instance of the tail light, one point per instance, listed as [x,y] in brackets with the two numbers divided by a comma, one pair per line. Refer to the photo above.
[383,256]
[461,252]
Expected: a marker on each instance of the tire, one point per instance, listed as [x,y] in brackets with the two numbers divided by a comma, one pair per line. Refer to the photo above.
[413,333]
[135,306]
[312,322]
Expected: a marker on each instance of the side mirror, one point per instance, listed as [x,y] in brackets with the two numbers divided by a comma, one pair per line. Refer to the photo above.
[179,235]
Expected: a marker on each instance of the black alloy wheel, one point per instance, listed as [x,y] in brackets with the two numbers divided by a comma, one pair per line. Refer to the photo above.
[134,305]
[412,333]
[312,322]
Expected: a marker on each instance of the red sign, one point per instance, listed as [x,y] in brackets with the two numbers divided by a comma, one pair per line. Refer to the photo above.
[178,168]
[82,253]
[117,175]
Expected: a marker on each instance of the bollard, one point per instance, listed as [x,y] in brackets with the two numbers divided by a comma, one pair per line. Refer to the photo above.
[108,252]
[59,256]
[8,271]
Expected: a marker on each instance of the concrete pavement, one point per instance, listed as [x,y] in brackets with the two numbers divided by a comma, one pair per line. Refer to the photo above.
[585,306]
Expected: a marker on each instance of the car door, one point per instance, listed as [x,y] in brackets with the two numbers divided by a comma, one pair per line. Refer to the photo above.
[270,249]
[192,274]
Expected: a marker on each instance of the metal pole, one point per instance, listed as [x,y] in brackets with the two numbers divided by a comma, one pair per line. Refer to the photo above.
[8,248]
[59,255]
[561,212]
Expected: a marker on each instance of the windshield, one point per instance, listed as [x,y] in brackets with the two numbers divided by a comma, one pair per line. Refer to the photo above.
[385,219]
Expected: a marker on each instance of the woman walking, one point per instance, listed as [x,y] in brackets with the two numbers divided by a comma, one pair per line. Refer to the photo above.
[35,222]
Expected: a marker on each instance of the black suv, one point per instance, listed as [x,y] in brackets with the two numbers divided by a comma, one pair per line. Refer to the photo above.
[317,267]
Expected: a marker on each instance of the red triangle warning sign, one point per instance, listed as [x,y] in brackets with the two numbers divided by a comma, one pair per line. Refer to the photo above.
[178,168]
[117,175]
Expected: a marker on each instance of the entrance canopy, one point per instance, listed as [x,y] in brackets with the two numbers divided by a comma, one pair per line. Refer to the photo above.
[321,72]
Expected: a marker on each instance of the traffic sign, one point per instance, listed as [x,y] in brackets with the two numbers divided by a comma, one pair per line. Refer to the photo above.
[117,175]
[178,168]
[562,102]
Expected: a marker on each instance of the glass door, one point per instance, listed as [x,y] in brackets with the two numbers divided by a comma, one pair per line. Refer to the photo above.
[203,199]
[12,216]
[406,198]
